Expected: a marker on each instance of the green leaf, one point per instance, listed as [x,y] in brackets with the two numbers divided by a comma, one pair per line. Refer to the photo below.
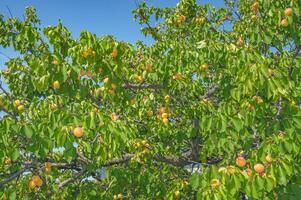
[12,195]
[282,177]
[15,155]
[270,184]
[195,181]
[237,123]
[28,131]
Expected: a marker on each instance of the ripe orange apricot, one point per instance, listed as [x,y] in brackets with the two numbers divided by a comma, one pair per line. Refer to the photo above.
[78,132]
[56,85]
[114,116]
[55,62]
[259,168]
[288,12]
[161,110]
[269,158]
[241,161]
[37,181]
[114,53]
[284,22]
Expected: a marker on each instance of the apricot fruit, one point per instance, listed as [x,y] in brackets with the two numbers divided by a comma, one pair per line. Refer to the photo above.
[78,132]
[241,161]
[56,85]
[259,168]
[288,12]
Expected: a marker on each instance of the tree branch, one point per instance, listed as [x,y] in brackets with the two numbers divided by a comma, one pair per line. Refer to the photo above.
[195,140]
[142,86]
[178,162]
[13,176]
[71,179]
[209,92]
[123,159]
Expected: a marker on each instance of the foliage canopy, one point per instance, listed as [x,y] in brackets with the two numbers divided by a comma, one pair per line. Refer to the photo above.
[219,88]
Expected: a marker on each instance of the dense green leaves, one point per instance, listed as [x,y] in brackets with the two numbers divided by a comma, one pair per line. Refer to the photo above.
[164,121]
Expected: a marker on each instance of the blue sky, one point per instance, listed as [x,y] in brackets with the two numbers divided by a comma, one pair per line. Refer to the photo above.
[113,17]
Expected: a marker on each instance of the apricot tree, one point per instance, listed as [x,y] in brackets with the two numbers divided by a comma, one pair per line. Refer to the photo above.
[97,118]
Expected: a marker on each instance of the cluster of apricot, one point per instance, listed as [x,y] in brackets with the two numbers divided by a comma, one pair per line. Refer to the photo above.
[287,12]
[119,196]
[257,99]
[144,149]
[259,168]
[255,9]
[164,115]
[88,73]
[19,105]
[111,89]
[143,144]
[88,52]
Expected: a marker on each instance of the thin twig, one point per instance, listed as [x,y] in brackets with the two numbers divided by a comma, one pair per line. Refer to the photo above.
[9,11]
[142,86]
[71,179]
